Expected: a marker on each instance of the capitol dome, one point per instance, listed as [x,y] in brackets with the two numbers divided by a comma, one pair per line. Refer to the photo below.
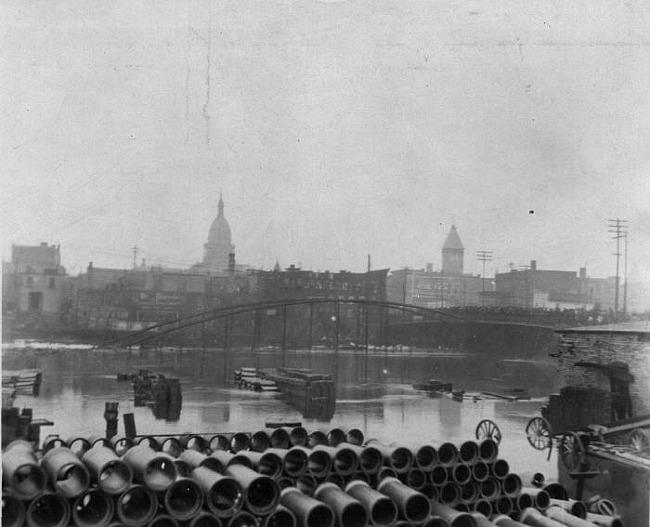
[219,246]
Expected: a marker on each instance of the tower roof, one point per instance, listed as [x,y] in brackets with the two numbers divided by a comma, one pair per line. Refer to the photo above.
[219,230]
[453,241]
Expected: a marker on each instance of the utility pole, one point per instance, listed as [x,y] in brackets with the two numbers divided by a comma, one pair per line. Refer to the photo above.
[618,228]
[483,256]
[135,254]
[625,278]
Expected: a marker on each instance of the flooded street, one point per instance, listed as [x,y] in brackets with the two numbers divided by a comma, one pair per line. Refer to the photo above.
[77,383]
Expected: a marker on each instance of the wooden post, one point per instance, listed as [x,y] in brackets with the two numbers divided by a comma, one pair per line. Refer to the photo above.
[110,415]
[311,324]
[129,425]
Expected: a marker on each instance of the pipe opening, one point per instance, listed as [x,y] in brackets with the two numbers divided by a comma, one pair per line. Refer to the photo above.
[225,497]
[525,501]
[115,477]
[386,472]
[469,491]
[320,516]
[239,441]
[72,479]
[121,445]
[401,459]
[464,520]
[262,495]
[183,468]
[503,505]
[270,465]
[335,437]
[511,485]
[205,520]
[79,445]
[298,436]
[484,507]
[500,468]
[171,446]
[317,438]
[345,461]
[416,478]
[319,463]
[220,442]
[307,485]
[295,463]
[159,474]
[149,441]
[163,521]
[13,511]
[243,519]
[435,521]
[461,474]
[48,510]
[447,454]
[449,493]
[426,457]
[28,480]
[136,506]
[488,450]
[383,512]
[489,489]
[439,475]
[480,471]
[468,452]
[280,439]
[371,460]
[354,515]
[184,499]
[355,436]
[285,482]
[417,508]
[92,509]
[280,518]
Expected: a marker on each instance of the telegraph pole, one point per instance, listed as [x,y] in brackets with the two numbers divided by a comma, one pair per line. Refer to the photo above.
[484,256]
[618,228]
[135,254]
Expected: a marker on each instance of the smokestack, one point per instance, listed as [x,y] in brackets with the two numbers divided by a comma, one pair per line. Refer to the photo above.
[583,272]
[533,265]
[429,268]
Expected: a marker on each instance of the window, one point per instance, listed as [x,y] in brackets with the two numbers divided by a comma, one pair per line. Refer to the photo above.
[29,281]
[52,283]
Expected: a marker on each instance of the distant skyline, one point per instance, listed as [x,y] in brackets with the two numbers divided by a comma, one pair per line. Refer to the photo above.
[334,129]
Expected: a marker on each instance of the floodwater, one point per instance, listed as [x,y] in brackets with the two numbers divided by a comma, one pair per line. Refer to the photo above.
[374,393]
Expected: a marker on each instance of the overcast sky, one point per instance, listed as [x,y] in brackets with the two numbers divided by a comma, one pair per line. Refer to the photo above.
[334,130]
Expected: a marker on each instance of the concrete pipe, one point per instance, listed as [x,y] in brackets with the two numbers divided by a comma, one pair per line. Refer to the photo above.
[439,475]
[348,510]
[481,520]
[426,457]
[502,505]
[171,446]
[183,499]
[190,441]
[107,470]
[278,437]
[577,508]
[557,491]
[219,442]
[224,496]
[183,469]
[260,441]
[482,506]
[412,505]
[524,501]
[96,439]
[541,499]
[453,517]
[163,520]
[196,459]
[51,442]
[93,508]
[13,511]
[604,521]
[354,436]
[344,460]
[261,493]
[469,492]
[298,436]
[294,461]
[430,491]
[79,445]
[227,459]
[266,463]
[399,458]
[336,436]
[414,478]
[21,473]
[136,506]
[435,521]
[239,441]
[500,468]
[319,463]
[67,474]
[370,460]
[449,494]
[490,488]
[361,476]
[317,437]
[280,517]
[511,485]
[243,519]
[381,510]
[48,510]
[461,473]
[468,452]
[307,484]
[480,471]
[308,511]
[205,519]
[505,521]
[336,479]
[602,506]
[565,517]
[120,444]
[488,450]
[157,471]
[534,518]
[386,472]
[285,481]
[149,441]
[447,454]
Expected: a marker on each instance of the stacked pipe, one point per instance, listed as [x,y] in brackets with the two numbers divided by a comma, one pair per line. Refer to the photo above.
[282,477]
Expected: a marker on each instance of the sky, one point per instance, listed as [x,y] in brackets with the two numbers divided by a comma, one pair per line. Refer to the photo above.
[334,130]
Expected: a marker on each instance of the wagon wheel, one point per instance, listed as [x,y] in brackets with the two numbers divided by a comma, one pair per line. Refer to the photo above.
[539,433]
[639,440]
[488,429]
[572,450]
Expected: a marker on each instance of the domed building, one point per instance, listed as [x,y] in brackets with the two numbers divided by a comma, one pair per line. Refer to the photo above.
[217,252]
